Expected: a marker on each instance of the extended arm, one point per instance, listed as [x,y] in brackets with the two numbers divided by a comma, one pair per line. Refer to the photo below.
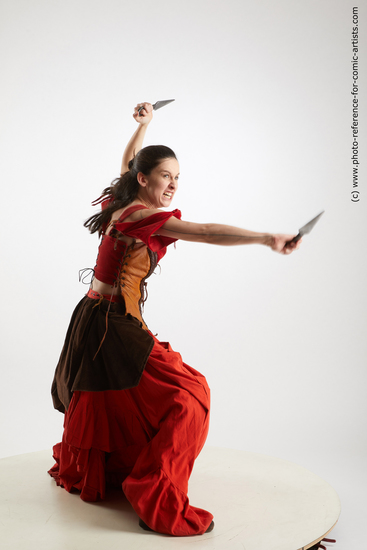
[136,142]
[226,235]
[219,234]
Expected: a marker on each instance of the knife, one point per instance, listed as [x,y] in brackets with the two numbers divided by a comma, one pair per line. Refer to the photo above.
[306,228]
[158,104]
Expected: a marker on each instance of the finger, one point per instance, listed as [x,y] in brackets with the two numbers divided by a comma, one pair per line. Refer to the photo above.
[288,247]
[293,246]
[138,109]
[147,107]
[140,112]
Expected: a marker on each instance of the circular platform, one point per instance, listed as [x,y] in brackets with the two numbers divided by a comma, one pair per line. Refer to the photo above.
[258,502]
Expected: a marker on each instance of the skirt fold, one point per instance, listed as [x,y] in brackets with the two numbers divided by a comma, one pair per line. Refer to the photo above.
[145,438]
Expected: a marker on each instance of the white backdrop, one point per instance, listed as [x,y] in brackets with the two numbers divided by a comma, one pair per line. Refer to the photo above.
[262,129]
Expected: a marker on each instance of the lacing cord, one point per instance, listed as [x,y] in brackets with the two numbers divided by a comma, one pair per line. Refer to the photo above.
[144,296]
[84,273]
[107,312]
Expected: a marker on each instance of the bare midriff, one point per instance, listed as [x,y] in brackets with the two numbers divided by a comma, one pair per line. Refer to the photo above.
[104,288]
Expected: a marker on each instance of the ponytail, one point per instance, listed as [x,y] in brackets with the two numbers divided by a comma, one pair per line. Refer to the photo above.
[125,189]
[119,194]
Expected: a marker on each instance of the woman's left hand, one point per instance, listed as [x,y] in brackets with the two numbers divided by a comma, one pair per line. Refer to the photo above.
[283,244]
[146,113]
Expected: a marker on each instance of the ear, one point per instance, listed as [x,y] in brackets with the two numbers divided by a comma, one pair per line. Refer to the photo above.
[142,179]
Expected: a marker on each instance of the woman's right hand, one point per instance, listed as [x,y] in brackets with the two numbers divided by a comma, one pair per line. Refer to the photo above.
[146,113]
[283,243]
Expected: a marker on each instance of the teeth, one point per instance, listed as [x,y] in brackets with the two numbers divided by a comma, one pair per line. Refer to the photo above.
[169,195]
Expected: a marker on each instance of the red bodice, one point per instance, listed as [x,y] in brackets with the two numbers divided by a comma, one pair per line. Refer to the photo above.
[128,266]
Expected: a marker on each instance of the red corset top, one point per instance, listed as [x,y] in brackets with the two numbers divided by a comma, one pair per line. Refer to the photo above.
[128,266]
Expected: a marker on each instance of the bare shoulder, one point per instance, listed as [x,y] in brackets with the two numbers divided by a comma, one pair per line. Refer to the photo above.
[141,214]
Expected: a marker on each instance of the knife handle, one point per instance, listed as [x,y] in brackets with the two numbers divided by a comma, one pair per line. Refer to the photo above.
[295,239]
[143,108]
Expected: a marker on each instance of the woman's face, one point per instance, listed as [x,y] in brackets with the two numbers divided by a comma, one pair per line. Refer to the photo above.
[157,189]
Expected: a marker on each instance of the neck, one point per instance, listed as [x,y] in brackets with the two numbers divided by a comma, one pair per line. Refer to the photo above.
[144,200]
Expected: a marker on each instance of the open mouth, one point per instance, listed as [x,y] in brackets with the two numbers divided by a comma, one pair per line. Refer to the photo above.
[168,195]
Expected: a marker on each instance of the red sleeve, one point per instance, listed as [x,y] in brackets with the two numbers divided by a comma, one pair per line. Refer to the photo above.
[145,229]
[106,203]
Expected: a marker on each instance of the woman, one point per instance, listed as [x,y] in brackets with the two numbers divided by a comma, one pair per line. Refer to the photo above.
[134,412]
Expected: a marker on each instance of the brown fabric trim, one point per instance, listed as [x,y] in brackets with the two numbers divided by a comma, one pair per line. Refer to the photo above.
[120,362]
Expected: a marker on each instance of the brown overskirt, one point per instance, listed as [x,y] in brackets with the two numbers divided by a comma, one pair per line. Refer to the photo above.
[87,365]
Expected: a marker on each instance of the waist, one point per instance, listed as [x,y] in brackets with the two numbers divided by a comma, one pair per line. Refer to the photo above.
[98,296]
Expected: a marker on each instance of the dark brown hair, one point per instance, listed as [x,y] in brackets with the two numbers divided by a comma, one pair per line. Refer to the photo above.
[124,190]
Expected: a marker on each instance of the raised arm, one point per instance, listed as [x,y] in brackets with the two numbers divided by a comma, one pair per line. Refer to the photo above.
[136,142]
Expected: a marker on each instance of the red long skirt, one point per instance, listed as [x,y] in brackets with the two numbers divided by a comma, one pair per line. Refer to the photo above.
[146,438]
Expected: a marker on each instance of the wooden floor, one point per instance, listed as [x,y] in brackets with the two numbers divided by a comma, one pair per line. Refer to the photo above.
[258,502]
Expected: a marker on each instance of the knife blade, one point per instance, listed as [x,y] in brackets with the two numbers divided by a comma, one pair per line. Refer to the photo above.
[158,104]
[306,228]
